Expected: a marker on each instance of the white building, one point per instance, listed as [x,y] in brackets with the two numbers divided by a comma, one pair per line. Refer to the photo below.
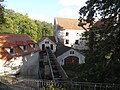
[64,54]
[67,31]
[47,42]
[67,55]
[18,54]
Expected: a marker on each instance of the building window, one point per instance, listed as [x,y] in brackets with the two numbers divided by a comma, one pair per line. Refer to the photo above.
[46,42]
[77,34]
[67,42]
[43,46]
[10,51]
[32,45]
[67,34]
[51,46]
[23,47]
[71,52]
[76,41]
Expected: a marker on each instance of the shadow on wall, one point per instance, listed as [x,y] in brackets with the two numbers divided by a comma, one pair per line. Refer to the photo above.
[30,65]
[60,27]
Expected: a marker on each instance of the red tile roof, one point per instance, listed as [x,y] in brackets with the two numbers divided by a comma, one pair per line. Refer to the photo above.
[4,55]
[14,41]
[68,23]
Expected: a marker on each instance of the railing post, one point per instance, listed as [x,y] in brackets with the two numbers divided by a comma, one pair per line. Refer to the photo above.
[95,87]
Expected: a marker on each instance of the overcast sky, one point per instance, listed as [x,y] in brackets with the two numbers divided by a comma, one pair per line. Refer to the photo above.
[46,10]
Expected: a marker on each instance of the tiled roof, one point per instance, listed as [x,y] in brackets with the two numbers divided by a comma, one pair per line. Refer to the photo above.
[14,41]
[61,49]
[4,55]
[68,23]
[52,38]
[7,40]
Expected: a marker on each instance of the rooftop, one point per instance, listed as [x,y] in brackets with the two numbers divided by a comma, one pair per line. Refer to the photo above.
[52,38]
[14,41]
[68,23]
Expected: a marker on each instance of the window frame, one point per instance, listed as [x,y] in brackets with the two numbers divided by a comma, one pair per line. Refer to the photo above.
[66,41]
[67,33]
[76,41]
[72,52]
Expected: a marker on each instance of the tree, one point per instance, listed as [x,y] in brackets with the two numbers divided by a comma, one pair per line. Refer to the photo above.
[46,29]
[2,20]
[22,24]
[103,57]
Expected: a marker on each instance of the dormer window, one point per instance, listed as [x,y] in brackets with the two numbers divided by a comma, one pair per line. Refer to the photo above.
[7,49]
[23,47]
[32,45]
[10,51]
[67,34]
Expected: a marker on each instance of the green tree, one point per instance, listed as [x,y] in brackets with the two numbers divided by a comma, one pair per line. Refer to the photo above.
[103,57]
[43,29]
[2,20]
[46,29]
[22,24]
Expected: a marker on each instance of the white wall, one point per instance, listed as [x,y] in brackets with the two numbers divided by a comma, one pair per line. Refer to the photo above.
[11,66]
[67,54]
[47,45]
[72,37]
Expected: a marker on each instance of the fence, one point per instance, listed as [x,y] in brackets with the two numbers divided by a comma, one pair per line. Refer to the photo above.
[31,84]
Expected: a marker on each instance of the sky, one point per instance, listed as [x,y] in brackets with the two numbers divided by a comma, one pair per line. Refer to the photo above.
[46,10]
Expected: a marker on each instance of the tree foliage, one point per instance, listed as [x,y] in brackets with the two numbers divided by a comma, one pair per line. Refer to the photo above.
[22,24]
[103,57]
[1,13]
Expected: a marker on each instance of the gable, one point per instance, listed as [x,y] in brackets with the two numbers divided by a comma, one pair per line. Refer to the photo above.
[70,51]
[51,38]
[61,50]
[45,39]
